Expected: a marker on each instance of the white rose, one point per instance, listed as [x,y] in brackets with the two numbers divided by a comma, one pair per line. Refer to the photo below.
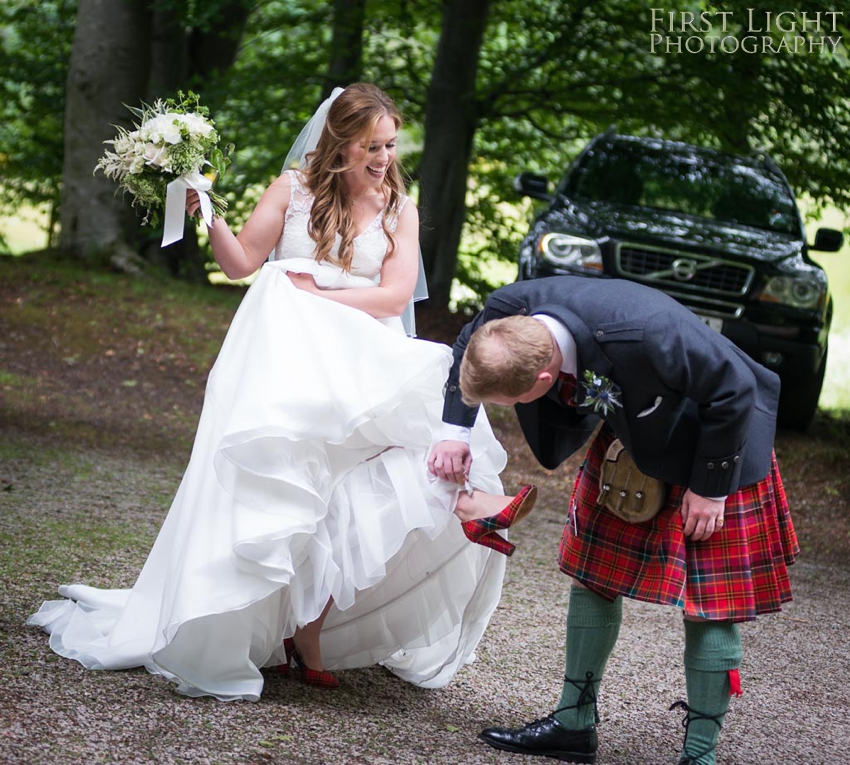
[157,156]
[196,124]
[163,129]
[135,165]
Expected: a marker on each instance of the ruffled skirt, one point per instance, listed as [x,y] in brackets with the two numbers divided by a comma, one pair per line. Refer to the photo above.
[307,482]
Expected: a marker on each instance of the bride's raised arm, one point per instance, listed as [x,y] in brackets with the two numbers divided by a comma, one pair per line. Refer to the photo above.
[241,255]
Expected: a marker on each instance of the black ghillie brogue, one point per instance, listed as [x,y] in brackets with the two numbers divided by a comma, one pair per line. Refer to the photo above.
[546,738]
[550,738]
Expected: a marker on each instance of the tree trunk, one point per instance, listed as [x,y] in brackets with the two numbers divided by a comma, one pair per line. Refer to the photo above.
[169,73]
[213,47]
[108,68]
[346,64]
[169,69]
[735,133]
[192,60]
[450,123]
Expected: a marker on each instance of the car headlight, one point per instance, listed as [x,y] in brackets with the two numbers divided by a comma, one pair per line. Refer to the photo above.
[568,250]
[796,292]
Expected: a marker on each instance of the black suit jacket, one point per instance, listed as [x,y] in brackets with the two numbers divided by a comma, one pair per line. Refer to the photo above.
[696,410]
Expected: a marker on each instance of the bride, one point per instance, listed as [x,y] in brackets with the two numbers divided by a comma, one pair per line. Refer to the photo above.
[307,529]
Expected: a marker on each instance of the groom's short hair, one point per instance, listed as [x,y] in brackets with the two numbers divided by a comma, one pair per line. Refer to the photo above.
[503,358]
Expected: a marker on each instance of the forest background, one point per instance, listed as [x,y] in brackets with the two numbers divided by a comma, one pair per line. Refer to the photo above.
[488,89]
[101,373]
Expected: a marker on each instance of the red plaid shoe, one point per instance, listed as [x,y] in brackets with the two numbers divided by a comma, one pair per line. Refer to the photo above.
[317,677]
[483,530]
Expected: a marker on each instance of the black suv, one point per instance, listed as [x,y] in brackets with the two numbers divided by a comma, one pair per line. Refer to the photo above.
[720,233]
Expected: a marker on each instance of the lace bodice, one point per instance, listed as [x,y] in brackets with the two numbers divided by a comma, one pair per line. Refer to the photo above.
[370,247]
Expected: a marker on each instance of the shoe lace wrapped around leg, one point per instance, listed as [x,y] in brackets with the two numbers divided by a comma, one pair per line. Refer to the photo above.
[691,715]
[586,694]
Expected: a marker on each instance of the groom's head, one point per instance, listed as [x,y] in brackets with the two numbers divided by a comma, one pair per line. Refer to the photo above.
[508,361]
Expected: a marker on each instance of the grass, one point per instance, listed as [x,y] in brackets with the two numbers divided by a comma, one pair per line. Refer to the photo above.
[141,308]
[106,358]
[25,231]
[836,387]
[66,536]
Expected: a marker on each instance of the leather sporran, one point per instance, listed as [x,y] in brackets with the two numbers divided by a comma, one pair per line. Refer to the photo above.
[625,491]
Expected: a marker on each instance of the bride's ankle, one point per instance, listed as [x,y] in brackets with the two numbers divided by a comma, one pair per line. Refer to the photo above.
[308,652]
[479,505]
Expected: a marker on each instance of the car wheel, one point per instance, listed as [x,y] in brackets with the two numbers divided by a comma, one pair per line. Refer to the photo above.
[798,404]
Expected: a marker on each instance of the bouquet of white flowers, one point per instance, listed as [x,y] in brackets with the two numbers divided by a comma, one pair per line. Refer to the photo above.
[164,156]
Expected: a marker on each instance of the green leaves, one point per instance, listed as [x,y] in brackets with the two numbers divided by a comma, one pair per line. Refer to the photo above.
[551,73]
[221,159]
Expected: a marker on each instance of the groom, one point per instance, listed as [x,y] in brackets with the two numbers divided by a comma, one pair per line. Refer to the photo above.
[693,411]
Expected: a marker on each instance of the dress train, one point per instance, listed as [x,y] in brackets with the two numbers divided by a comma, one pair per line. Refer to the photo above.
[307,481]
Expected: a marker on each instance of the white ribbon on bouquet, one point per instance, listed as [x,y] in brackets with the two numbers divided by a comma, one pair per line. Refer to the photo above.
[175,204]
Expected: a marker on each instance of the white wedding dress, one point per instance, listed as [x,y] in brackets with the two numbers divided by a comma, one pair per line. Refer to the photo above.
[307,481]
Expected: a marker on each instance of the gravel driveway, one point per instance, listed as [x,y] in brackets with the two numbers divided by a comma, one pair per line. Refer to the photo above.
[74,512]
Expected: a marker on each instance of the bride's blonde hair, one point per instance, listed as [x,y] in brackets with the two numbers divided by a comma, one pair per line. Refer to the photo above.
[353,116]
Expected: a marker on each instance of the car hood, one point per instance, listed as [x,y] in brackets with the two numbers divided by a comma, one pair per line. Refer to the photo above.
[601,220]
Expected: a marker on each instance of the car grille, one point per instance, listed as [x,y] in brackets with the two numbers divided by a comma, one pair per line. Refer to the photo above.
[705,282]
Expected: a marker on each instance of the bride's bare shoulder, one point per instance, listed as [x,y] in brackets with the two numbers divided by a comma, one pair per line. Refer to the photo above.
[284,180]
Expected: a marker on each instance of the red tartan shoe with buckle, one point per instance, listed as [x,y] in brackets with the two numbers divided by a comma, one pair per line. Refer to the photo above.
[483,530]
[319,678]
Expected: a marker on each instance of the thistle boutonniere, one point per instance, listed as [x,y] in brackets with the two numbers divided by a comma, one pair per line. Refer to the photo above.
[600,393]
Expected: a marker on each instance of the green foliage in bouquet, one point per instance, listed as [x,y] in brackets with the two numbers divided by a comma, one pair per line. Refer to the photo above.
[173,138]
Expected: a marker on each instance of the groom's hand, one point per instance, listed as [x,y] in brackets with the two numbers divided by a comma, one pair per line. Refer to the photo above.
[450,460]
[701,516]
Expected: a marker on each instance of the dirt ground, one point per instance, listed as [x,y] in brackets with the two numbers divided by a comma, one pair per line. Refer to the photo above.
[101,384]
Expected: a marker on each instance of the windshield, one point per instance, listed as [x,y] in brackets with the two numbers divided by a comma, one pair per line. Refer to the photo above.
[722,187]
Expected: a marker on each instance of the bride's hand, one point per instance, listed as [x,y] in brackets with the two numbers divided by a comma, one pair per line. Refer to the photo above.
[192,202]
[303,282]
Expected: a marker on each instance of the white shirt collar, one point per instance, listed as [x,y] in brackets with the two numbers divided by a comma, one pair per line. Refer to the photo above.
[565,341]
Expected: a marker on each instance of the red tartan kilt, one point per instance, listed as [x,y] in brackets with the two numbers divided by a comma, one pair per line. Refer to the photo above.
[739,572]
